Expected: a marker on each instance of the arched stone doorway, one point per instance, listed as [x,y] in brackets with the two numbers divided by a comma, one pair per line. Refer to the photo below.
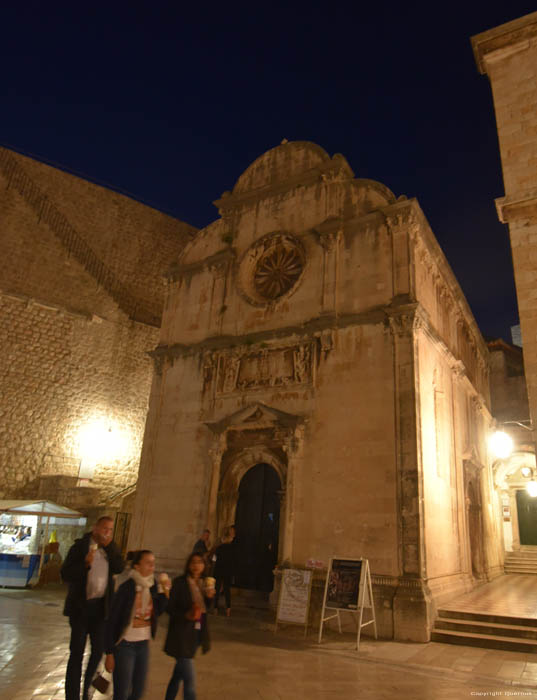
[257,520]
[255,435]
[252,486]
[511,477]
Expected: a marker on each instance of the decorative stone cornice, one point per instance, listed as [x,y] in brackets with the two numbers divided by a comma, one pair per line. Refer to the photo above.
[259,415]
[517,206]
[217,263]
[315,327]
[500,42]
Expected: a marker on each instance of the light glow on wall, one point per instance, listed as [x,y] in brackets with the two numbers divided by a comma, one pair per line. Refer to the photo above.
[531,488]
[102,441]
[501,444]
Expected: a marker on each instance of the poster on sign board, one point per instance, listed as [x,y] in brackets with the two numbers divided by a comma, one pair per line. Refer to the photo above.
[344,584]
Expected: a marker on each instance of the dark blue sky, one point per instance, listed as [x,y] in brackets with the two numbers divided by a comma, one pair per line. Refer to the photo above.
[170,102]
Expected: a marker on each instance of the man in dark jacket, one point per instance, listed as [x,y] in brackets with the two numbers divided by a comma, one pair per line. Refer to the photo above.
[88,569]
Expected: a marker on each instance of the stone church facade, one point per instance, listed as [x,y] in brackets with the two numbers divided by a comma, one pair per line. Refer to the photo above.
[81,297]
[315,330]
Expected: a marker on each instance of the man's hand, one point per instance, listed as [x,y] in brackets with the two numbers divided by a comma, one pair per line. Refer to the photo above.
[88,559]
[109,663]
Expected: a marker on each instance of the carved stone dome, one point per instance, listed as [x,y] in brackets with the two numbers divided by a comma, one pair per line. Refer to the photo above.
[281,164]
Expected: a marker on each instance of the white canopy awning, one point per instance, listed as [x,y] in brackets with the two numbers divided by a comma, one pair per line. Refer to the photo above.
[45,508]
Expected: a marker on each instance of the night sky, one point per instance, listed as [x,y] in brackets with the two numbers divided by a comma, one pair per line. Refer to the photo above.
[170,102]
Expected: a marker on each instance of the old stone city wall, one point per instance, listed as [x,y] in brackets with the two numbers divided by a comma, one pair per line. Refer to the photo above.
[60,372]
[74,369]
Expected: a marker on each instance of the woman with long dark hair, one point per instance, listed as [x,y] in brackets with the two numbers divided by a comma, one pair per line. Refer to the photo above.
[132,623]
[188,626]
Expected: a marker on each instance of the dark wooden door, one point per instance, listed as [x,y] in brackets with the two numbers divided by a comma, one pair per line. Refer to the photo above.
[527,517]
[257,524]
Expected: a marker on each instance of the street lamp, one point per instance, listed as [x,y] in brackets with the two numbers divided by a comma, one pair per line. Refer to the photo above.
[501,444]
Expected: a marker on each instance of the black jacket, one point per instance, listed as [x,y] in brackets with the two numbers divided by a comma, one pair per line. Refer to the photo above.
[225,560]
[181,640]
[121,611]
[75,572]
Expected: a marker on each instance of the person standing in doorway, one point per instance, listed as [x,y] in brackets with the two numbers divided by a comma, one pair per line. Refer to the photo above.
[188,627]
[89,569]
[224,569]
[202,545]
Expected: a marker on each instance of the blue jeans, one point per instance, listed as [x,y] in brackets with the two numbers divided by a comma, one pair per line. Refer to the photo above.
[183,671]
[132,659]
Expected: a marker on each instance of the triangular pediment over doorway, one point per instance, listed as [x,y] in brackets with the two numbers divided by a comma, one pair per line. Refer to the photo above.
[256,414]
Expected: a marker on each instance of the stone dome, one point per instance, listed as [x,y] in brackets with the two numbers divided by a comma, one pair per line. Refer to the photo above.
[282,163]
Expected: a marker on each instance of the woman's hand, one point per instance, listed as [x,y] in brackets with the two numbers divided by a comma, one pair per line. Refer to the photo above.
[109,663]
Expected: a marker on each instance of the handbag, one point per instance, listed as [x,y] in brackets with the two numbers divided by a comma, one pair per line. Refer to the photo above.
[100,683]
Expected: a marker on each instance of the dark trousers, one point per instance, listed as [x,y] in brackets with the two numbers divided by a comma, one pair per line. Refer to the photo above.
[90,622]
[225,583]
[132,659]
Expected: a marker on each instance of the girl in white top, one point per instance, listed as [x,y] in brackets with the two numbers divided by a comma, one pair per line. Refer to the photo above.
[132,623]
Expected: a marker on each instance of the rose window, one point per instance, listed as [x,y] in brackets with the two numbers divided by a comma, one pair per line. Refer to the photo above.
[271,268]
[277,270]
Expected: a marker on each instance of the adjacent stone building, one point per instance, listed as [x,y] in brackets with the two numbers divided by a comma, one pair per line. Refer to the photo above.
[81,296]
[508,55]
[321,383]
[509,399]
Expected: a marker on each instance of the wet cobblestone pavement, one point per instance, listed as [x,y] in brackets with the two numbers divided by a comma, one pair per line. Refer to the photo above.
[249,662]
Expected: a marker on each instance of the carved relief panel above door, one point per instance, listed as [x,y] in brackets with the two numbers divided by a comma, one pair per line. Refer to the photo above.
[230,371]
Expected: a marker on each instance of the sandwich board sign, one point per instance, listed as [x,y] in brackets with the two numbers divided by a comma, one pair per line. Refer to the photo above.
[294,598]
[348,588]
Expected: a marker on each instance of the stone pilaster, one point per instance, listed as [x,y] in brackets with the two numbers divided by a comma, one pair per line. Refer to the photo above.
[412,604]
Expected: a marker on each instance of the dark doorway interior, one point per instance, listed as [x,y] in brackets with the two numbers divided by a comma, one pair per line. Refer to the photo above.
[527,517]
[121,531]
[257,524]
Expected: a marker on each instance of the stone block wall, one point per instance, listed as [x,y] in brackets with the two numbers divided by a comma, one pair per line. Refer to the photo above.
[508,55]
[127,245]
[59,373]
[81,297]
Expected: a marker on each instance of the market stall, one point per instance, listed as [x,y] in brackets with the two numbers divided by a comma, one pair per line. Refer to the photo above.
[25,529]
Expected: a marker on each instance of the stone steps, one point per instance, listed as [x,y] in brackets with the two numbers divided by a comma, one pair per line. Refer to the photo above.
[521,562]
[485,630]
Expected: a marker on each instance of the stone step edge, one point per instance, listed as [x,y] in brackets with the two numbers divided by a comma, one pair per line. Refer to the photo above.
[483,623]
[486,638]
[486,617]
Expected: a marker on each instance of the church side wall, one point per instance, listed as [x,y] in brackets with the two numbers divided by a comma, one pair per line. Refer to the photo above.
[454,426]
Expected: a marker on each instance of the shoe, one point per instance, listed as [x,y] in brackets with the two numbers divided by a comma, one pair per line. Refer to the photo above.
[228,612]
